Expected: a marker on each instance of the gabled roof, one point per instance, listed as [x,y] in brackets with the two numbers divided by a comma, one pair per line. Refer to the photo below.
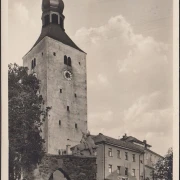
[117,142]
[54,31]
[133,139]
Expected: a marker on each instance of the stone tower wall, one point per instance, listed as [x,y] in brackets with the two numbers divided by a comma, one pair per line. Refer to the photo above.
[50,67]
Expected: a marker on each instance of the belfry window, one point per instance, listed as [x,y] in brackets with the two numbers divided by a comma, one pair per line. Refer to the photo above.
[54,18]
[61,23]
[65,60]
[67,108]
[69,61]
[46,20]
[59,122]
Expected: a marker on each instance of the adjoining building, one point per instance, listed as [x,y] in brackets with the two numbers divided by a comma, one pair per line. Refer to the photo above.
[150,157]
[122,159]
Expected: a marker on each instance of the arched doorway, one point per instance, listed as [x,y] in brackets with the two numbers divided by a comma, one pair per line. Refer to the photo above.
[59,175]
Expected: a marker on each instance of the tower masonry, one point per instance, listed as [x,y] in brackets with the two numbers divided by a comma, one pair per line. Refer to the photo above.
[61,68]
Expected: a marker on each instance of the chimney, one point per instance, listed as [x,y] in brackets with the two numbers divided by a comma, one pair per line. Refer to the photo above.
[125,135]
[145,143]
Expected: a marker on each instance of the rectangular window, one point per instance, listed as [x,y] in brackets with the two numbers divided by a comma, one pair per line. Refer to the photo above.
[110,152]
[110,168]
[118,169]
[67,108]
[134,158]
[118,153]
[60,90]
[126,171]
[133,172]
[126,155]
[59,122]
[76,126]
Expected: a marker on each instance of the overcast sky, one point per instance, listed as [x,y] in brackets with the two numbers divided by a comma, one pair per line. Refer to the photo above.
[129,61]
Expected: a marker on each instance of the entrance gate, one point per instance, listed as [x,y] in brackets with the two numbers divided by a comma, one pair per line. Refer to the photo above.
[59,175]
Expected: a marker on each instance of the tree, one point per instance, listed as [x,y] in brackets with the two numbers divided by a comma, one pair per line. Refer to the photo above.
[164,167]
[26,117]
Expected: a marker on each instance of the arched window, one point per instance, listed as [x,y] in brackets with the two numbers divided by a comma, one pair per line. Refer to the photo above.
[32,64]
[46,20]
[54,18]
[69,61]
[61,23]
[65,60]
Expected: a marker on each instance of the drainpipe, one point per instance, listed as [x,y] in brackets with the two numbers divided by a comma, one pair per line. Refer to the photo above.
[140,164]
[144,167]
[139,167]
[104,160]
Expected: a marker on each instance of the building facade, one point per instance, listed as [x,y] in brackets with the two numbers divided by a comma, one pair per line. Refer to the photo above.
[118,160]
[121,159]
[150,157]
[61,68]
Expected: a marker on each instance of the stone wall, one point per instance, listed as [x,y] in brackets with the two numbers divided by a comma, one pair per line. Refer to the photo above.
[75,167]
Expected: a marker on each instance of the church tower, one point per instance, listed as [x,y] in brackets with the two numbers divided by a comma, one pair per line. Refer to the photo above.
[61,68]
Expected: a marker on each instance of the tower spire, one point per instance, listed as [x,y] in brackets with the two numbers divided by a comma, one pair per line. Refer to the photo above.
[53,12]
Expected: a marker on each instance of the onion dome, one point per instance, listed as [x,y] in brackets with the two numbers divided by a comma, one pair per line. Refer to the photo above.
[53,5]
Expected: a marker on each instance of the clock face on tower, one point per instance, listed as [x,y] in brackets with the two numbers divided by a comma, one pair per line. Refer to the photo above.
[67,75]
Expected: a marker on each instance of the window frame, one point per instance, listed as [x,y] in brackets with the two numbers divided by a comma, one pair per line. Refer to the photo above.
[110,168]
[133,157]
[126,172]
[134,172]
[110,154]
[119,154]
[119,170]
[126,156]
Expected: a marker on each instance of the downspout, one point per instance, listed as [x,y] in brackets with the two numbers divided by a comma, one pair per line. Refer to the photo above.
[104,160]
[139,167]
[140,164]
[144,167]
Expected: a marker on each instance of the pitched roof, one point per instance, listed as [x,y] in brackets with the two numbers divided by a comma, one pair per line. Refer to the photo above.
[117,142]
[54,31]
[133,139]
